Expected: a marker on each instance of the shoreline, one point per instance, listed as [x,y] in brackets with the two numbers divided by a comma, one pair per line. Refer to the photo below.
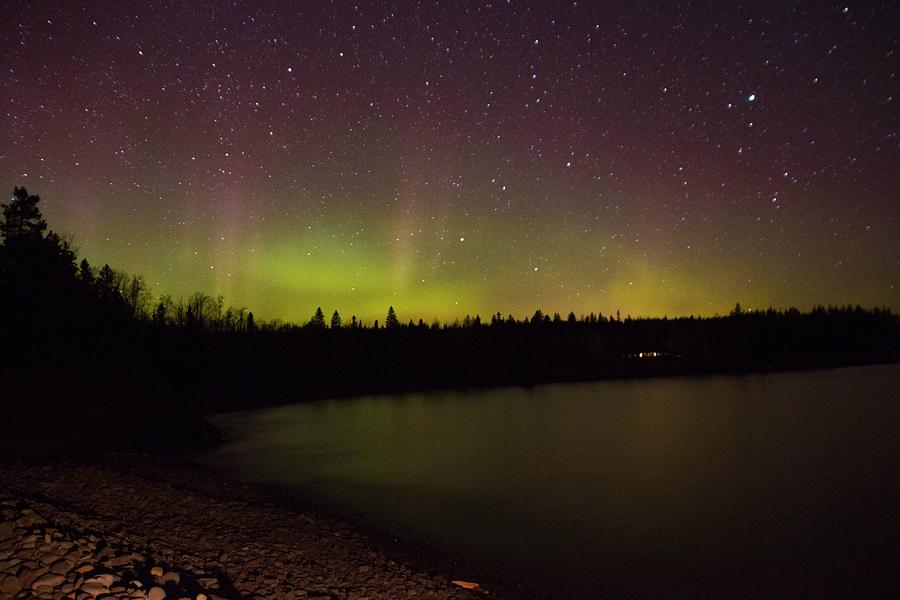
[226,401]
[129,525]
[417,555]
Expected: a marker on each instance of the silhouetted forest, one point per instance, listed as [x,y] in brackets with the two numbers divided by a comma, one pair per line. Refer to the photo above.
[91,357]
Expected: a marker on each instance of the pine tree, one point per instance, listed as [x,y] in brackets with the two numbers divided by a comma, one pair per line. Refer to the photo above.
[318,319]
[86,274]
[22,220]
[106,282]
[37,267]
[336,320]
[160,313]
[391,321]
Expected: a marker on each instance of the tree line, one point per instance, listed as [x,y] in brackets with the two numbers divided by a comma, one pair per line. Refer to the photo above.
[94,344]
[38,259]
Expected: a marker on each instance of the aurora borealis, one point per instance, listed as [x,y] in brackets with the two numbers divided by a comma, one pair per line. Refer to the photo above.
[452,157]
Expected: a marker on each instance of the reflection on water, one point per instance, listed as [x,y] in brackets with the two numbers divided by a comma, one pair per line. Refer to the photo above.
[725,486]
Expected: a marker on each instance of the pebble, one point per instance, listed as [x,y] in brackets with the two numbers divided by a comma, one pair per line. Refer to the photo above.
[48,580]
[94,588]
[156,593]
[61,567]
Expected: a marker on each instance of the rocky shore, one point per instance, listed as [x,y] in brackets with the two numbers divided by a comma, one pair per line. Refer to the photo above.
[131,527]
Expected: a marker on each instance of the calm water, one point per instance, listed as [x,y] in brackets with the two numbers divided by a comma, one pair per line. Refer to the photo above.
[723,486]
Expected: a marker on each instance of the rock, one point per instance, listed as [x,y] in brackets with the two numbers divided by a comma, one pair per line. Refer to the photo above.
[62,566]
[27,576]
[48,579]
[171,576]
[156,593]
[26,522]
[157,571]
[9,585]
[105,578]
[73,555]
[94,588]
[468,585]
[120,561]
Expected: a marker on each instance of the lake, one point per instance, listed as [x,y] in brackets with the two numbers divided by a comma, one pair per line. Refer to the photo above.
[758,485]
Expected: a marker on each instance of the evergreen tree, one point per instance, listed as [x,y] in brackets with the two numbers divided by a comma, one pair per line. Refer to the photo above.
[336,320]
[318,319]
[106,283]
[22,221]
[161,312]
[37,267]
[26,253]
[391,321]
[86,274]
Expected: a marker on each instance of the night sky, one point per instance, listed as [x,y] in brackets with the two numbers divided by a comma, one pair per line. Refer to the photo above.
[457,157]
